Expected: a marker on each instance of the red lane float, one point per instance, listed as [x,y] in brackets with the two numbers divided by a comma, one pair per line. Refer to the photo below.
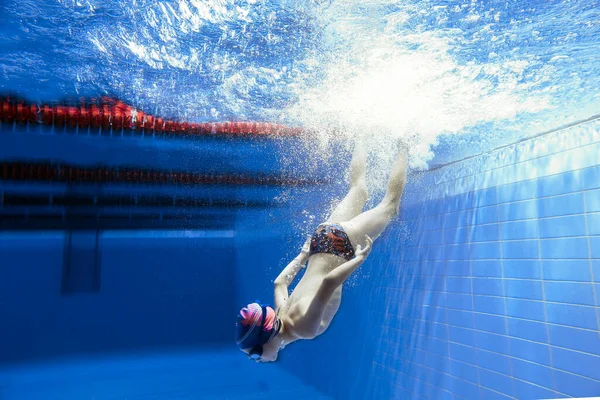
[112,114]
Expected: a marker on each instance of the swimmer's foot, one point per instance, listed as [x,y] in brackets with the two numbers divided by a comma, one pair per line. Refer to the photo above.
[402,146]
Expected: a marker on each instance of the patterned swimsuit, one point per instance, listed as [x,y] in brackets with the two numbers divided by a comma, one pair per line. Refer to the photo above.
[330,238]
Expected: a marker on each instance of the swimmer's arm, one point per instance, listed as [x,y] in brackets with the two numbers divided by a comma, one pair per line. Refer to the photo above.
[286,277]
[339,275]
[288,274]
[291,270]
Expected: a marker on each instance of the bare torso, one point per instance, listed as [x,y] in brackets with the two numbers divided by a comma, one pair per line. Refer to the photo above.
[294,310]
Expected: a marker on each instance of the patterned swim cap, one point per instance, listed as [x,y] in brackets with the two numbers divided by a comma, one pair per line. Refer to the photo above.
[248,326]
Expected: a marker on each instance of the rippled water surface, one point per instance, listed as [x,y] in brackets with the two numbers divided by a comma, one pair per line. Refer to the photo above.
[455,78]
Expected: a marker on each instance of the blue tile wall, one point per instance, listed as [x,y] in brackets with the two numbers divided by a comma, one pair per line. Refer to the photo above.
[528,229]
[530,351]
[519,230]
[522,268]
[525,309]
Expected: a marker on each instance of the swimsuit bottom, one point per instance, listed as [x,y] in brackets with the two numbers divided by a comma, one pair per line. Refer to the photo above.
[330,238]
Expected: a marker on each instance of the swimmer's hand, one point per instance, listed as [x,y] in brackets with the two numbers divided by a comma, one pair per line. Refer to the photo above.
[306,248]
[361,253]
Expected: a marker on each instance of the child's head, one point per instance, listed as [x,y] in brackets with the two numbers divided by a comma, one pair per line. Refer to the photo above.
[256,326]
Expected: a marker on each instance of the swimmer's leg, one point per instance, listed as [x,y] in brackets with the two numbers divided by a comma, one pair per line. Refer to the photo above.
[354,202]
[374,222]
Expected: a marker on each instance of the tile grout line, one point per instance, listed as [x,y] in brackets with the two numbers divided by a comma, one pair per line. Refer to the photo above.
[503,275]
[520,359]
[517,258]
[507,222]
[413,377]
[514,298]
[511,356]
[501,222]
[476,349]
[509,183]
[504,203]
[487,369]
[591,266]
[445,324]
[513,164]
[513,337]
[561,130]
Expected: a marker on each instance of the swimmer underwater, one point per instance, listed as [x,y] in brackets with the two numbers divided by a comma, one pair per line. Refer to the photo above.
[335,250]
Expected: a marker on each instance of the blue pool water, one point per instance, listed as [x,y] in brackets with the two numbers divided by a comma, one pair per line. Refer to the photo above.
[487,285]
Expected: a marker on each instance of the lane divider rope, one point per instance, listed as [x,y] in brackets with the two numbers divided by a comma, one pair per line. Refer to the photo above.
[110,114]
[59,172]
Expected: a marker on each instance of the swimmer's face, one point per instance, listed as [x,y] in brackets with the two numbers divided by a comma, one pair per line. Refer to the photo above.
[270,352]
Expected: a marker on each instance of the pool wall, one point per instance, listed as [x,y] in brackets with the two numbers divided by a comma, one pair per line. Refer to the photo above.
[159,290]
[494,293]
